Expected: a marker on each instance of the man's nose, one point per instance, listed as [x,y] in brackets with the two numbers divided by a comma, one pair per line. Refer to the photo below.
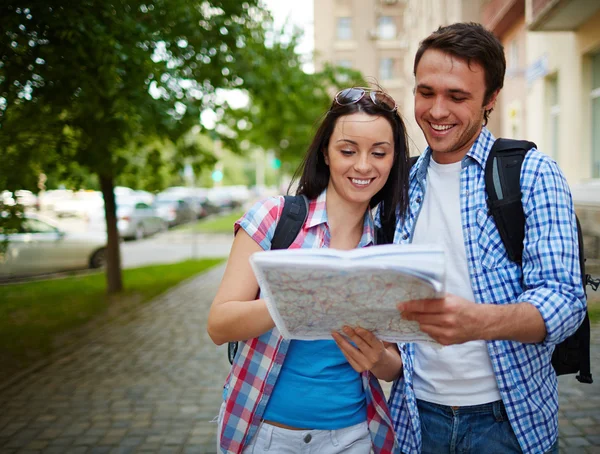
[438,109]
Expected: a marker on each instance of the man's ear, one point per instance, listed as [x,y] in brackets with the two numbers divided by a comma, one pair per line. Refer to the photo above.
[492,101]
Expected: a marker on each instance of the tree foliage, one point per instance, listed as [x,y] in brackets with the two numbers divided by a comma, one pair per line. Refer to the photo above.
[76,78]
[286,103]
[108,90]
[96,81]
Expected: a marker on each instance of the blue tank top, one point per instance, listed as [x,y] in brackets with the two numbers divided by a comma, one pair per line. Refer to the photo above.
[317,389]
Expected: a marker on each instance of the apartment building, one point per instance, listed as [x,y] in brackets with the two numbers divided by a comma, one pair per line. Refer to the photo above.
[366,35]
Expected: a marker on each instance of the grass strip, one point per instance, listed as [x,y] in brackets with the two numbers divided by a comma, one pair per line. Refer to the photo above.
[37,317]
[217,224]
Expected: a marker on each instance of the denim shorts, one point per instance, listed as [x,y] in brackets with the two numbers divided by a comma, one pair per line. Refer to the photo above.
[349,440]
[471,429]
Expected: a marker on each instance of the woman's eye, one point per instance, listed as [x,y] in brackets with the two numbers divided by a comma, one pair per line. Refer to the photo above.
[379,154]
[346,152]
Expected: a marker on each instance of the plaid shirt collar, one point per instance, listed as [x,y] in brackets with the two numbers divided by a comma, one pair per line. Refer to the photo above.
[317,215]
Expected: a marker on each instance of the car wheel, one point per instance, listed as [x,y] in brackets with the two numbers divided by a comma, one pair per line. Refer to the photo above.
[140,233]
[98,258]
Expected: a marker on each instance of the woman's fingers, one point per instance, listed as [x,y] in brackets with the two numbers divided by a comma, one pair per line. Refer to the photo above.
[367,349]
[354,357]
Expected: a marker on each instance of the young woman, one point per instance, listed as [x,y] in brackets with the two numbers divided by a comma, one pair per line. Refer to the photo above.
[315,396]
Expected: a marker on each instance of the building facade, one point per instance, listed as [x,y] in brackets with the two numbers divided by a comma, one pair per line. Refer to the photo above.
[380,38]
[552,86]
[366,35]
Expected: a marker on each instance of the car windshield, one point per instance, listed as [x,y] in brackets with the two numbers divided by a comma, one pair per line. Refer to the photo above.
[36,226]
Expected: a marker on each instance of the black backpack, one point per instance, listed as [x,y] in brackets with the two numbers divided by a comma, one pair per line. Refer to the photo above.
[503,187]
[293,217]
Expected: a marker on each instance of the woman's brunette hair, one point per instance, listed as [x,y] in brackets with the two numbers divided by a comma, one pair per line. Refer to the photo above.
[314,173]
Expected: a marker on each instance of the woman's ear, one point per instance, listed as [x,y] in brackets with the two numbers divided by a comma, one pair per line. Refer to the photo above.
[326,156]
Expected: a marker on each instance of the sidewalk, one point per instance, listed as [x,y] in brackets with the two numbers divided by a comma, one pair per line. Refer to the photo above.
[152,383]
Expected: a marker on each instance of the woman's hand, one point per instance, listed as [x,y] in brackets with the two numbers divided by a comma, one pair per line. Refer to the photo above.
[369,353]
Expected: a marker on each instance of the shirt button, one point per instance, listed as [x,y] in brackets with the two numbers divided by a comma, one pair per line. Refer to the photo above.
[405,236]
[307,438]
[418,200]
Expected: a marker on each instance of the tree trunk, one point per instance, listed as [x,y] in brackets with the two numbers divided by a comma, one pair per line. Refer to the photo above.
[114,280]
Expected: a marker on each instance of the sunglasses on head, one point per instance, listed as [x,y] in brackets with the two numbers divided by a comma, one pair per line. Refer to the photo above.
[352,95]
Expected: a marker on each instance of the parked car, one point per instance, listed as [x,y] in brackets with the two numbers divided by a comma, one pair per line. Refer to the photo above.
[135,219]
[41,247]
[195,197]
[174,210]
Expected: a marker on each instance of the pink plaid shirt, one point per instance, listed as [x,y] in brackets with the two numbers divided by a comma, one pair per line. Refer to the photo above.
[256,367]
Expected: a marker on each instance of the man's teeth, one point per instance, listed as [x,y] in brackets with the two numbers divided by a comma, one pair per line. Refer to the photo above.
[363,182]
[441,127]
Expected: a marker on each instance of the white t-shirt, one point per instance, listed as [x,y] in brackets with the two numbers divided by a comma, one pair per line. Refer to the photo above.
[456,375]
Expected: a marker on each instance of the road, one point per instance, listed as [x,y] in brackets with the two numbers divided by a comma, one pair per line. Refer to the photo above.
[173,246]
[166,247]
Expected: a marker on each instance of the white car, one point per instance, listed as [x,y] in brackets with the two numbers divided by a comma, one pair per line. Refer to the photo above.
[41,247]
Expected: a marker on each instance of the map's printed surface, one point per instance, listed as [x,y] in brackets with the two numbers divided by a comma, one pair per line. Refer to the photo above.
[311,302]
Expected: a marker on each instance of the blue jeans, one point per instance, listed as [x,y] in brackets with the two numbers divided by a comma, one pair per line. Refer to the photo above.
[471,429]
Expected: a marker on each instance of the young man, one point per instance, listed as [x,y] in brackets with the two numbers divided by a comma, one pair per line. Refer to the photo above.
[492,388]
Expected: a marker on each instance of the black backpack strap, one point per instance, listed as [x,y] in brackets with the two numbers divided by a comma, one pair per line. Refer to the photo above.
[585,372]
[503,187]
[295,210]
[293,217]
[385,234]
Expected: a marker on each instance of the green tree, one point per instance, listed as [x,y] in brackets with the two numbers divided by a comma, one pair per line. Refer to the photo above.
[286,103]
[100,83]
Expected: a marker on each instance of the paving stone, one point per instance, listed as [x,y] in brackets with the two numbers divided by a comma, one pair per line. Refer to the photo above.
[151,382]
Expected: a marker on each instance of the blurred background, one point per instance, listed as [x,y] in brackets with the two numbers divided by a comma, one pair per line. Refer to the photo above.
[133,133]
[136,133]
[192,119]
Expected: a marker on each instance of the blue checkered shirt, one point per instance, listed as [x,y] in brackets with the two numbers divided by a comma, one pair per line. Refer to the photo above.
[549,278]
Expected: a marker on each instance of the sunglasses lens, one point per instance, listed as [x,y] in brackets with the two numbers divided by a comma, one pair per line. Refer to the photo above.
[349,96]
[383,100]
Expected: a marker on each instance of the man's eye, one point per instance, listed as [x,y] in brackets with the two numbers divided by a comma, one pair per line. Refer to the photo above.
[455,99]
[426,95]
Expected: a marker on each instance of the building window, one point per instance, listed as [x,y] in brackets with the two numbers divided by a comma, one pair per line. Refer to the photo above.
[346,64]
[386,68]
[553,114]
[344,28]
[386,28]
[595,98]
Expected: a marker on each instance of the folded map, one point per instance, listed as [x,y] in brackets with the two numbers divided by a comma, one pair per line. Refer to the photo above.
[312,292]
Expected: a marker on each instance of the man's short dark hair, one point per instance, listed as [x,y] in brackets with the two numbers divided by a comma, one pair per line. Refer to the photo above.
[471,42]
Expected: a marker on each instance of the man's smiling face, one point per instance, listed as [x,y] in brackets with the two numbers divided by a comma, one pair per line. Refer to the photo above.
[449,96]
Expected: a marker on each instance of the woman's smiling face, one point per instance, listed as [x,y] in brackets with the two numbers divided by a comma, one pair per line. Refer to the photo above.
[360,156]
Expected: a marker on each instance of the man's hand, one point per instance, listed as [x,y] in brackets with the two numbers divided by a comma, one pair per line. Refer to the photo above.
[372,354]
[449,320]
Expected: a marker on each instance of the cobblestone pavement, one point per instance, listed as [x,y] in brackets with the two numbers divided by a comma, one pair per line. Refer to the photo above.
[152,383]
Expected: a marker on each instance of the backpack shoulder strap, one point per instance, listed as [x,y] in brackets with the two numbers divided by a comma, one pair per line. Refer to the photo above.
[385,234]
[293,217]
[503,187]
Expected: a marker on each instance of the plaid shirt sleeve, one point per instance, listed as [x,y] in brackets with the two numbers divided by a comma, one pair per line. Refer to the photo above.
[551,271]
[260,221]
